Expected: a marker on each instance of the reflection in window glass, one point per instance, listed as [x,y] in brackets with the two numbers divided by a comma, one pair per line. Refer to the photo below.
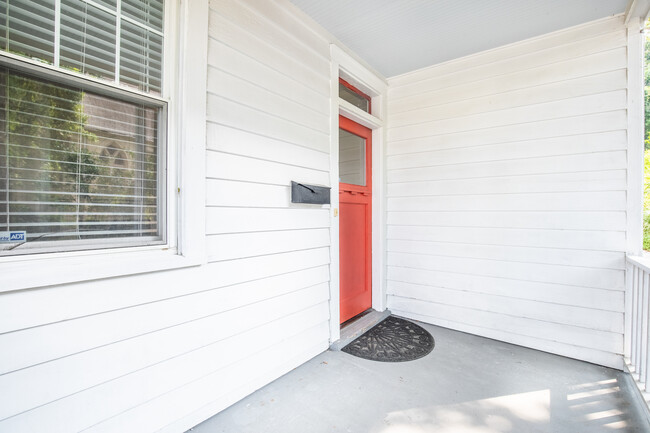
[75,166]
[352,158]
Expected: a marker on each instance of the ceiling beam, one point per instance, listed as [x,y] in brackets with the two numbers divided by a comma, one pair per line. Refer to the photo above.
[637,9]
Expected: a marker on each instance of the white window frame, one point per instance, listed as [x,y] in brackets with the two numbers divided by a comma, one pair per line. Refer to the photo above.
[184,91]
[16,64]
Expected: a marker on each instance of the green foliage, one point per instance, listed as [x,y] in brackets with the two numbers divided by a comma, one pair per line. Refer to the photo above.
[646,95]
[67,175]
[646,159]
[646,231]
[646,199]
[45,129]
[647,61]
[646,98]
[51,169]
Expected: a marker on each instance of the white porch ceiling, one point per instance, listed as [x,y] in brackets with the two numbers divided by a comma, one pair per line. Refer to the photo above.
[398,36]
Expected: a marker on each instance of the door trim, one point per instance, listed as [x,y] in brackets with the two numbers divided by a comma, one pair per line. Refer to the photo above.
[343,65]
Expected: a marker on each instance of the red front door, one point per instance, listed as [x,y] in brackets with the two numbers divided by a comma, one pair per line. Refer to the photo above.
[355,202]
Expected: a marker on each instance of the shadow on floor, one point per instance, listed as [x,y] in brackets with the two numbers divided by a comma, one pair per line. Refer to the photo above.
[468,384]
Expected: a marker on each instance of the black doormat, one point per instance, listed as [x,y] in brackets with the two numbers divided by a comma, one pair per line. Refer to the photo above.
[392,340]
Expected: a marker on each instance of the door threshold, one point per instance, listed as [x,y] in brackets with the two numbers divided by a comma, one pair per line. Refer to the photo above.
[354,319]
[355,327]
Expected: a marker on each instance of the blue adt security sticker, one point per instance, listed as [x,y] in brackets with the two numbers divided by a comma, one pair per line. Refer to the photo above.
[17,236]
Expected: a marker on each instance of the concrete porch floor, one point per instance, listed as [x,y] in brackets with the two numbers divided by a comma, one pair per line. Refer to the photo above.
[468,384]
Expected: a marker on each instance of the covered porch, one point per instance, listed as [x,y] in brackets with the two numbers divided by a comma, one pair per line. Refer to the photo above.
[468,384]
[506,217]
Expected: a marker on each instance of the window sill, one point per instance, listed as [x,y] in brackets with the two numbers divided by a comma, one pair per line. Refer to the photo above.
[64,268]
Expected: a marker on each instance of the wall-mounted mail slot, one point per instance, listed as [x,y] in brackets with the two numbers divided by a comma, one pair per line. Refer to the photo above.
[310,194]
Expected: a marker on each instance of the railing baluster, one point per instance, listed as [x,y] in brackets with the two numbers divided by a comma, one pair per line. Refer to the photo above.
[647,335]
[643,304]
[639,318]
[637,321]
[627,340]
[635,329]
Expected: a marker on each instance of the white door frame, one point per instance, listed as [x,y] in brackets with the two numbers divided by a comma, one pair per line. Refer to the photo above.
[345,66]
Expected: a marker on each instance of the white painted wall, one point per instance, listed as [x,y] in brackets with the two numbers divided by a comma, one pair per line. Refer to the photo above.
[165,350]
[506,193]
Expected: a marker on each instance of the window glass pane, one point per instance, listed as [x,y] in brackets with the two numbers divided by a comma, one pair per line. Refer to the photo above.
[352,158]
[111,4]
[4,154]
[31,28]
[148,12]
[87,39]
[3,24]
[140,58]
[353,97]
[77,166]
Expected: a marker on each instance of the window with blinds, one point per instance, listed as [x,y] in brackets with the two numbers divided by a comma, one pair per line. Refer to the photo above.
[81,166]
[117,40]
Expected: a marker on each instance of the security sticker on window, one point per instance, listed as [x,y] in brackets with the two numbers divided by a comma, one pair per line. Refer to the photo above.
[13,237]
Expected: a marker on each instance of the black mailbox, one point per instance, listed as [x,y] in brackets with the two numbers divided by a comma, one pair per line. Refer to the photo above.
[310,194]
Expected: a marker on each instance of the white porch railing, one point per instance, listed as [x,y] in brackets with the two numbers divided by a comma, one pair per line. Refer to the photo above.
[637,323]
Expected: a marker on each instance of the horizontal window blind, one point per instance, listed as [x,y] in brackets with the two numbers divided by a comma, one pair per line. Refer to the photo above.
[87,39]
[29,28]
[116,40]
[76,166]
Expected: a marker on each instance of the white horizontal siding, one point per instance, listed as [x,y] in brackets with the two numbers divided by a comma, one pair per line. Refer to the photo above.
[596,356]
[239,245]
[231,383]
[213,363]
[243,143]
[506,193]
[565,108]
[601,161]
[101,365]
[556,220]
[524,254]
[555,274]
[554,146]
[574,239]
[610,180]
[580,86]
[247,169]
[551,293]
[169,349]
[253,41]
[112,325]
[539,51]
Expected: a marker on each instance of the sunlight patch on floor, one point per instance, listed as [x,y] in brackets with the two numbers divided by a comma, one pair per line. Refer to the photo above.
[593,393]
[617,425]
[603,414]
[594,384]
[587,405]
[493,415]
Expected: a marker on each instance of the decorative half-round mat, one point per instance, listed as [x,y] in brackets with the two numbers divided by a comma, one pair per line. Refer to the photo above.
[392,340]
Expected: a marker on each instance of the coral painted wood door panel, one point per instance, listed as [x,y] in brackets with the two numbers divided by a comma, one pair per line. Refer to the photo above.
[355,224]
